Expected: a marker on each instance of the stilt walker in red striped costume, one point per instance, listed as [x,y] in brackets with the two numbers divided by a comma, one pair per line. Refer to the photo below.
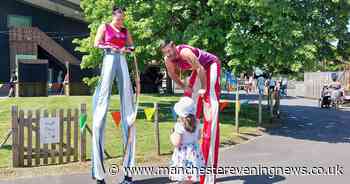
[204,81]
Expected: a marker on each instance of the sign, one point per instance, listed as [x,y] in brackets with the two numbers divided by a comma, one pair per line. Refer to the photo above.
[149,113]
[49,130]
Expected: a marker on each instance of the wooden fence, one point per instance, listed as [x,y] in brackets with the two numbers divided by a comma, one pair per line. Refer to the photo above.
[27,148]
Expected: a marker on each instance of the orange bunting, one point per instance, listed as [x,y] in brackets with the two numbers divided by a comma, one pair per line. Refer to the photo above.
[116,117]
[230,88]
[223,105]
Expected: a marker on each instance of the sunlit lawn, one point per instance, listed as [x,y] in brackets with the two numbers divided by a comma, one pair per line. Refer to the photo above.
[145,130]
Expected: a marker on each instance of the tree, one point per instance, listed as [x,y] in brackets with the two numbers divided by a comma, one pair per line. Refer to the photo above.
[281,36]
[285,36]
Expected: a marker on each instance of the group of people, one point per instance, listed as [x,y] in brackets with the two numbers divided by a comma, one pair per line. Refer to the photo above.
[201,96]
[249,84]
[58,89]
[277,85]
[252,83]
[332,94]
[266,84]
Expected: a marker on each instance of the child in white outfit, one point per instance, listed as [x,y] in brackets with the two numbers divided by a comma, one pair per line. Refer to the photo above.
[187,154]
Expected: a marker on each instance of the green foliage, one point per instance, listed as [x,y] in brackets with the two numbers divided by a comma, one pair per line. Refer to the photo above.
[285,36]
[281,36]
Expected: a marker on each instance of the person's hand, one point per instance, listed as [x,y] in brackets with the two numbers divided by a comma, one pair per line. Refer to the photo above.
[201,92]
[123,50]
[115,49]
[188,91]
[131,49]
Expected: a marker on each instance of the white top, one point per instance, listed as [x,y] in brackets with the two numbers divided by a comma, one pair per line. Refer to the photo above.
[187,137]
[250,79]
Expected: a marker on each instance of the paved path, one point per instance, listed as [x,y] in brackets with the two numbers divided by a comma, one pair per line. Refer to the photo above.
[310,137]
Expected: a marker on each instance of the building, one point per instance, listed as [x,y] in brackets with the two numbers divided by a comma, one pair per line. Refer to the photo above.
[36,42]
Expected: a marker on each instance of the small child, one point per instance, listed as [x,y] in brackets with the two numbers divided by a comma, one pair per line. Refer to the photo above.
[187,154]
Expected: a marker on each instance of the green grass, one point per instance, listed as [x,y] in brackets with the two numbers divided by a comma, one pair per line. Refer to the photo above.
[145,130]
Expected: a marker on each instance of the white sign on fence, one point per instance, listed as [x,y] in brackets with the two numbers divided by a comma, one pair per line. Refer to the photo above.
[49,130]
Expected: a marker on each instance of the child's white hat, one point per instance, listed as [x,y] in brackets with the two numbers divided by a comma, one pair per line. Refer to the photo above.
[184,107]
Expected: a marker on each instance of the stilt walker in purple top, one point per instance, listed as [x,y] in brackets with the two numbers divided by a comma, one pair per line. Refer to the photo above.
[204,81]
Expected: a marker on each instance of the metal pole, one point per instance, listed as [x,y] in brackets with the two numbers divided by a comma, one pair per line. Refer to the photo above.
[237,106]
[277,104]
[271,103]
[260,109]
[268,96]
[156,128]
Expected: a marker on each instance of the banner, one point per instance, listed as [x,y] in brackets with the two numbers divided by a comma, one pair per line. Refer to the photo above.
[82,121]
[223,105]
[116,118]
[149,113]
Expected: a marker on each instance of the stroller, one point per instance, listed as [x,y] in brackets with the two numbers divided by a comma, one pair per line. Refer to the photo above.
[325,99]
[330,97]
[337,92]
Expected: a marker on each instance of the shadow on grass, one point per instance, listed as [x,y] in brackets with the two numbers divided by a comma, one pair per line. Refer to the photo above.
[6,147]
[166,154]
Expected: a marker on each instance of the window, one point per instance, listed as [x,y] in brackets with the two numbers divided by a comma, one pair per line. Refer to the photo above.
[19,21]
